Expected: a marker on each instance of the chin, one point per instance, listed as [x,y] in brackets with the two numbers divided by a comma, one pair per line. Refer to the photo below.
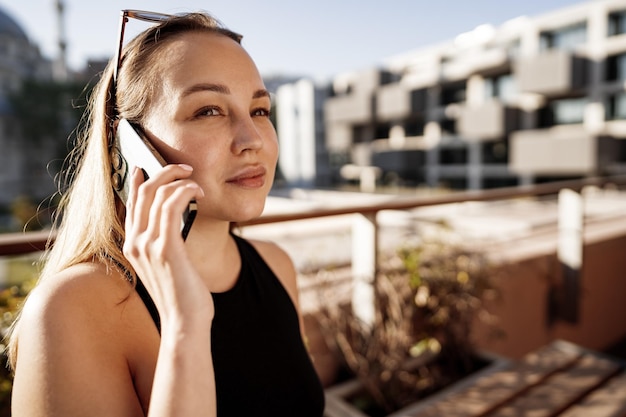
[245,213]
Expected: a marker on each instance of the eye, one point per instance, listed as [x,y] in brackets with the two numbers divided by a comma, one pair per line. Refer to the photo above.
[208,111]
[261,112]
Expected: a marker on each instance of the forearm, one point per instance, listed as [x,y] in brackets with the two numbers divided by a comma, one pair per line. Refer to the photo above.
[184,382]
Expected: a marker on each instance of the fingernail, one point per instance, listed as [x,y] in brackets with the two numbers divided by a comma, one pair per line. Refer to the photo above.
[197,188]
[186,167]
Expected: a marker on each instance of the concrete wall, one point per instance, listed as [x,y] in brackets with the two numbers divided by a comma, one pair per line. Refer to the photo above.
[523,311]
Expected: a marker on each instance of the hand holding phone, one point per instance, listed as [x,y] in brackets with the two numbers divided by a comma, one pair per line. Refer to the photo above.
[131,148]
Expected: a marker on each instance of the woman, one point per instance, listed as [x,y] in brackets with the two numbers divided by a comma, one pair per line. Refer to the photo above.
[224,338]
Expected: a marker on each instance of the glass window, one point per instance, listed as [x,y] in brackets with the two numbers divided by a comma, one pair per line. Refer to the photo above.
[616,68]
[502,87]
[568,111]
[414,127]
[563,112]
[617,23]
[495,152]
[448,126]
[452,93]
[566,38]
[616,107]
[453,156]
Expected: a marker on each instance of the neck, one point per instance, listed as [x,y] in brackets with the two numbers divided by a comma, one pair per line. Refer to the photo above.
[214,253]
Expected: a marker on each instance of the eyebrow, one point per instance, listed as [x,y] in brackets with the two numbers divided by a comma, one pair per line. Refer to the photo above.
[221,89]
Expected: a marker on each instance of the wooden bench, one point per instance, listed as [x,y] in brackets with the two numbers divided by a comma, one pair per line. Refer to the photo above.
[560,379]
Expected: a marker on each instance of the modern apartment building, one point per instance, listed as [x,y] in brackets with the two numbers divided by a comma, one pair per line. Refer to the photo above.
[534,99]
[303,159]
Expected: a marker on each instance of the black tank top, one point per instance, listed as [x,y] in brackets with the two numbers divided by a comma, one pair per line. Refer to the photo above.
[262,367]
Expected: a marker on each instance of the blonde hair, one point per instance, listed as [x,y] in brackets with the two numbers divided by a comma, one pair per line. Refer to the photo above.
[89,223]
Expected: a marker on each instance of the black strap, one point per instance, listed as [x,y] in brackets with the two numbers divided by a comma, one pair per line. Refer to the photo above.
[147,300]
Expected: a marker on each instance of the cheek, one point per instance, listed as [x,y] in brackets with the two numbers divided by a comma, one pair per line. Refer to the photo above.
[272,146]
[203,157]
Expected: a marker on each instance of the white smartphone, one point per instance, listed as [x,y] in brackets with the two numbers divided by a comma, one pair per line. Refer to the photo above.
[133,149]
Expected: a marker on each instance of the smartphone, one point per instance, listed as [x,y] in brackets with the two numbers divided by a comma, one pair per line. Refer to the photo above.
[133,149]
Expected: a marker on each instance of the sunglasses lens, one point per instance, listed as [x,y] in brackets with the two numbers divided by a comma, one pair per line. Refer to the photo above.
[147,16]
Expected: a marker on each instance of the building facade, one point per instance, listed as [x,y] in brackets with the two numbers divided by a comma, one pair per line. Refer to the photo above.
[531,100]
[22,165]
[303,159]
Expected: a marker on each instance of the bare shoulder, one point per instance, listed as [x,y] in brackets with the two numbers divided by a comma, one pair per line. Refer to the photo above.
[74,328]
[71,309]
[76,294]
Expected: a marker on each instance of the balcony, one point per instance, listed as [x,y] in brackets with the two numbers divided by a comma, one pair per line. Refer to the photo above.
[351,108]
[551,73]
[488,121]
[514,225]
[540,152]
[393,102]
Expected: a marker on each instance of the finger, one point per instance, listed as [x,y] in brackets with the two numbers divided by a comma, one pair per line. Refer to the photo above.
[162,198]
[146,192]
[174,207]
[168,174]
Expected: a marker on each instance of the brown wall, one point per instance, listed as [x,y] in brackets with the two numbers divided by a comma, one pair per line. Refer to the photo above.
[523,311]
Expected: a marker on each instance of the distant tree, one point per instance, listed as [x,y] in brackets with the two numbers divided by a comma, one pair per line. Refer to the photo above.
[46,114]
[48,110]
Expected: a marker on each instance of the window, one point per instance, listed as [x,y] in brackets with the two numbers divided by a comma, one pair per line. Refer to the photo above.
[453,156]
[616,107]
[387,77]
[361,134]
[616,68]
[617,23]
[448,126]
[414,127]
[382,130]
[502,87]
[454,93]
[569,111]
[563,112]
[566,38]
[419,99]
[495,152]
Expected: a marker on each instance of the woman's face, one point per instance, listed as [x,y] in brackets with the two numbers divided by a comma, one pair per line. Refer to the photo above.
[212,112]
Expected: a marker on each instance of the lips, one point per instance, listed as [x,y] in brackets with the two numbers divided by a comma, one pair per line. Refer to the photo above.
[249,178]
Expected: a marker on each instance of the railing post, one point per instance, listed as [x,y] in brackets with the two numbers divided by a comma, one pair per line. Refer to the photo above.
[570,253]
[364,266]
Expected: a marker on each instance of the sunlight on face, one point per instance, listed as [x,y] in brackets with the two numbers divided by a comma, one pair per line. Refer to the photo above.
[212,112]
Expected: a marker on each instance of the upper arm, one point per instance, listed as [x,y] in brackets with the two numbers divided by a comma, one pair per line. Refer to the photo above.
[70,361]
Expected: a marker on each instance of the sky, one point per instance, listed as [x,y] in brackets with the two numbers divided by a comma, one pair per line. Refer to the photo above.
[316,39]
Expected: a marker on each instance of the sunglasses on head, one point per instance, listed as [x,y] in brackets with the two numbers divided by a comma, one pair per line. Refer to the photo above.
[142,15]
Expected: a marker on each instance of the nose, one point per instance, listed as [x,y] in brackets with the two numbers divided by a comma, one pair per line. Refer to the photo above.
[247,137]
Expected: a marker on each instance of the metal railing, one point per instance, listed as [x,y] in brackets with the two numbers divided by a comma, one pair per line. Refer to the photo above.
[364,227]
[12,244]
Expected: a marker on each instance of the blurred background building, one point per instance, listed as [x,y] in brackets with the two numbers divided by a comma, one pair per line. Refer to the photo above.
[532,100]
[22,168]
[41,100]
